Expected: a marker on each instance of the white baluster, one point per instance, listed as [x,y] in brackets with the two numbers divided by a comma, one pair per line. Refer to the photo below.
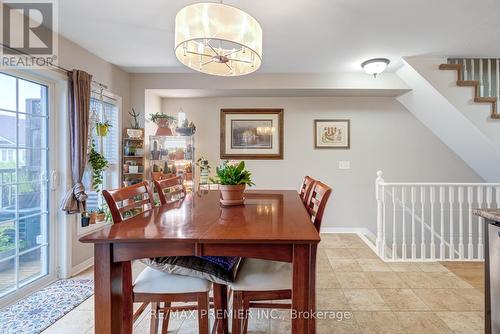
[497,196]
[394,247]
[490,86]
[451,199]
[441,207]
[380,216]
[432,199]
[422,224]
[480,204]
[481,77]
[470,247]
[413,244]
[403,212]
[461,222]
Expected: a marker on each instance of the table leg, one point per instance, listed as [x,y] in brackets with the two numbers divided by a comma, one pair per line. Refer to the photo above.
[301,292]
[112,311]
[312,303]
[220,308]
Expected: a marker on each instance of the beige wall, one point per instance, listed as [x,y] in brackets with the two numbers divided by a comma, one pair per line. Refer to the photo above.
[384,136]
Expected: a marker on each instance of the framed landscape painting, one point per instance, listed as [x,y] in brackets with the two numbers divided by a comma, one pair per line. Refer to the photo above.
[251,134]
[334,133]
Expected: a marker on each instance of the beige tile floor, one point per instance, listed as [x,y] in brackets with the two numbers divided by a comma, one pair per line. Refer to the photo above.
[369,296]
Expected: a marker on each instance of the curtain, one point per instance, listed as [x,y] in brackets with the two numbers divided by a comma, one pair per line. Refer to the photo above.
[78,115]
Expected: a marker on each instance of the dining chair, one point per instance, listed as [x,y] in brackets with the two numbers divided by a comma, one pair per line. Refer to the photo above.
[263,280]
[171,189]
[153,286]
[305,188]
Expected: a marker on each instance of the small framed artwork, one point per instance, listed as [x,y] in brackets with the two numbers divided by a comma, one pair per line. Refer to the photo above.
[332,133]
[251,134]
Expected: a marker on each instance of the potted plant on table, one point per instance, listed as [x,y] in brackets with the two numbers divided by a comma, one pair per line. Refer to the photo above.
[233,179]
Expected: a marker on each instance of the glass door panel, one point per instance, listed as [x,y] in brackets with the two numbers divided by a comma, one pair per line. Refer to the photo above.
[24,191]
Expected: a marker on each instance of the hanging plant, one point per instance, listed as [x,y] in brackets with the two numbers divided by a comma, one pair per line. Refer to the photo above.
[98,163]
[102,128]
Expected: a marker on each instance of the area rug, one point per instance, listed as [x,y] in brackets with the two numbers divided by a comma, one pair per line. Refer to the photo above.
[38,311]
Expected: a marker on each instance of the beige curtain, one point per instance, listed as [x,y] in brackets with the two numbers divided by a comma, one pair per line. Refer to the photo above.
[78,114]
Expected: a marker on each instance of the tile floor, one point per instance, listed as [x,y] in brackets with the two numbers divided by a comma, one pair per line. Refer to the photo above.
[369,296]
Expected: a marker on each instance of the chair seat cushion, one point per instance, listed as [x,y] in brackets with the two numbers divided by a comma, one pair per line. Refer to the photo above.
[195,267]
[155,281]
[263,275]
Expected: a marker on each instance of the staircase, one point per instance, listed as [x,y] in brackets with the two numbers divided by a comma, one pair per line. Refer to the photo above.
[460,65]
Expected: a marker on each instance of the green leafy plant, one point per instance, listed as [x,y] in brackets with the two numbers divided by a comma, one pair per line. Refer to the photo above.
[98,163]
[161,116]
[233,173]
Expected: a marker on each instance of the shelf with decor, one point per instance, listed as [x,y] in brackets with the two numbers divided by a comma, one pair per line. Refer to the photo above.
[171,156]
[133,156]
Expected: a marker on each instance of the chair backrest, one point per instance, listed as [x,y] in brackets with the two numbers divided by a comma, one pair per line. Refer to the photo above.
[305,188]
[317,202]
[126,202]
[170,190]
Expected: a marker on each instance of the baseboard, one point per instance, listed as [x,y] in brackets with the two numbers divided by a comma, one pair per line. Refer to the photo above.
[365,234]
[82,266]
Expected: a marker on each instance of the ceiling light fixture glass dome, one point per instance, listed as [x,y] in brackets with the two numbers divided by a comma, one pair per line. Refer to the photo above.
[218,39]
[375,66]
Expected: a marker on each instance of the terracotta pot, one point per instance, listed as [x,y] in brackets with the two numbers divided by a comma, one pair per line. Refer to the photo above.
[179,155]
[97,217]
[163,127]
[189,176]
[156,176]
[232,194]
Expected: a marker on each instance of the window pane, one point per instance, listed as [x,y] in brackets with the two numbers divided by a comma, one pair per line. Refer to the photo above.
[7,276]
[29,199]
[7,92]
[7,239]
[7,202]
[32,131]
[32,98]
[8,125]
[32,265]
[32,165]
[32,232]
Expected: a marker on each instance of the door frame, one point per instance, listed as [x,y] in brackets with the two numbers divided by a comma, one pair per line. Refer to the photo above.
[53,158]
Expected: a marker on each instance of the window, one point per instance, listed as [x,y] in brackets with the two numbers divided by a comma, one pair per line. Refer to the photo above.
[107,109]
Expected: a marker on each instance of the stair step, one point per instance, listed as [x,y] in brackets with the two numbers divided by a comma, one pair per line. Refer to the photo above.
[471,83]
[495,116]
[485,99]
[451,67]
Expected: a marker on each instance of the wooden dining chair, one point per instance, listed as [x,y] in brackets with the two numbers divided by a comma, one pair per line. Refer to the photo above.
[154,286]
[170,190]
[306,188]
[263,280]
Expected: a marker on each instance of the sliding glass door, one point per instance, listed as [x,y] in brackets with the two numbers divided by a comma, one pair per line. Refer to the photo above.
[24,187]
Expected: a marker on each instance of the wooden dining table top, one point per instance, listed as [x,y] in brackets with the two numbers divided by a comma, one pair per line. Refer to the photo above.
[268,216]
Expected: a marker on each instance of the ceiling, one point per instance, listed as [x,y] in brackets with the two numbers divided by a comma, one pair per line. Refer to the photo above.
[299,35]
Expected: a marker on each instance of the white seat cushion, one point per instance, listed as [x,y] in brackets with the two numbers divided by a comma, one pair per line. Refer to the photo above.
[263,275]
[154,281]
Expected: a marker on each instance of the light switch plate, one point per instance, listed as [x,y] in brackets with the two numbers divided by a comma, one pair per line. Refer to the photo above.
[344,165]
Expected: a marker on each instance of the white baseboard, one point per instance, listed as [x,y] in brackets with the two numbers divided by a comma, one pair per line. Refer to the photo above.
[82,266]
[365,234]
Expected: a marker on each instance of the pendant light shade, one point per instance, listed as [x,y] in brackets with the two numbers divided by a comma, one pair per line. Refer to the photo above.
[218,39]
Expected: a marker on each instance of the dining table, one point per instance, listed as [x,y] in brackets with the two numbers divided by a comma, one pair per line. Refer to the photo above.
[271,225]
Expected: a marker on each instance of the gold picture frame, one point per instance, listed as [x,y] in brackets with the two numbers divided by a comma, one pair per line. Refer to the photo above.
[332,134]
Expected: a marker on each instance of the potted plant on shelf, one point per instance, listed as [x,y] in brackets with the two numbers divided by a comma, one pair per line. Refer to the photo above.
[179,153]
[97,215]
[156,173]
[188,172]
[102,128]
[186,128]
[98,163]
[204,166]
[163,122]
[233,179]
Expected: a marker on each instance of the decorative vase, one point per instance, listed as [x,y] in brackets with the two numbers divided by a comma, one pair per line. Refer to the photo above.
[204,176]
[163,127]
[232,194]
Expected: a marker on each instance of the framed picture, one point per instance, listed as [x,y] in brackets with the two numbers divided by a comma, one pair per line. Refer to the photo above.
[332,133]
[251,134]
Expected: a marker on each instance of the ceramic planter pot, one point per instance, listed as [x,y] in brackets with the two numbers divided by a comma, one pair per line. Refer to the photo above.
[163,127]
[232,194]
[102,130]
[97,217]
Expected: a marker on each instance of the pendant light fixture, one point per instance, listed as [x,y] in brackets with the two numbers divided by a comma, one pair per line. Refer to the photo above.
[218,39]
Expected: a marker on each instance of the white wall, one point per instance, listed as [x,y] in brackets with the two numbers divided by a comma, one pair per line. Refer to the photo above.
[384,135]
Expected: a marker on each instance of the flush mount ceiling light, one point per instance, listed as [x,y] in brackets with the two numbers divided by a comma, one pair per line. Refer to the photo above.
[375,66]
[218,39]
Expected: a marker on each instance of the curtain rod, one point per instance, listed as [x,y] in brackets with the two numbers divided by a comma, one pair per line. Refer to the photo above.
[53,67]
